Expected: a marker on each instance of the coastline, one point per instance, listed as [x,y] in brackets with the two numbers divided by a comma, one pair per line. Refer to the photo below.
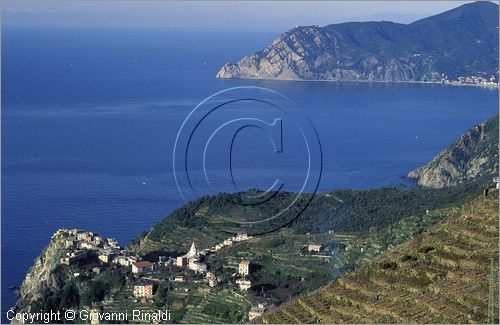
[448,83]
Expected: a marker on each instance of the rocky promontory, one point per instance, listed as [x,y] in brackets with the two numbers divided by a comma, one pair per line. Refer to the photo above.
[44,275]
[474,154]
[462,42]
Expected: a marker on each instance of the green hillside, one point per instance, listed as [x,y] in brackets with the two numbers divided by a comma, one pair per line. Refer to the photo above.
[441,276]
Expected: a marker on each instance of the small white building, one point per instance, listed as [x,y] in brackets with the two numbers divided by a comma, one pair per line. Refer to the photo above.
[256,311]
[241,236]
[197,266]
[211,279]
[314,248]
[244,268]
[244,284]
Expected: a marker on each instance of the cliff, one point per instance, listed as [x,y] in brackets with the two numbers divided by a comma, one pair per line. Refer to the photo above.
[44,275]
[459,42]
[474,154]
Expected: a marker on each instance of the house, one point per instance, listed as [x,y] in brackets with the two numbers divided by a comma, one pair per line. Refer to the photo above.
[80,235]
[122,260]
[73,256]
[244,268]
[181,261]
[244,284]
[314,248]
[86,245]
[113,243]
[241,236]
[196,266]
[179,278]
[98,240]
[256,311]
[106,256]
[143,290]
[87,236]
[211,279]
[142,266]
[70,243]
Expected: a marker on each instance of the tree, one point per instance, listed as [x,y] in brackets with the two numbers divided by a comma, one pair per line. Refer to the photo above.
[161,296]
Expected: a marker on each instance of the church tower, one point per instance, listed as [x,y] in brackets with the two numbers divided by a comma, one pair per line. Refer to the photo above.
[192,251]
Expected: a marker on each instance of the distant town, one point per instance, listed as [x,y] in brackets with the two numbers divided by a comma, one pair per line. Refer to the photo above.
[473,80]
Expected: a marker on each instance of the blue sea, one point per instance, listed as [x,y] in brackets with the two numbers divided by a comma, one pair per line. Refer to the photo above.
[90,118]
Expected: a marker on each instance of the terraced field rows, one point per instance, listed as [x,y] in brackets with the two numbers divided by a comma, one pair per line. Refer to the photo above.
[441,276]
[196,313]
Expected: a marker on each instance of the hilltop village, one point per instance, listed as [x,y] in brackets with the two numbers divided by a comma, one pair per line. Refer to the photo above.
[95,254]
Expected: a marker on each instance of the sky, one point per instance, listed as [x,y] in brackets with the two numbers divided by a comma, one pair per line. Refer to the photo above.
[276,15]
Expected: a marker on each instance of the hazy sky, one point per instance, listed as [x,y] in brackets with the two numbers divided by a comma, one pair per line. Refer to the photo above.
[215,14]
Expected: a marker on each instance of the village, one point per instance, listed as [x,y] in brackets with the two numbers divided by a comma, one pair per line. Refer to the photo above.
[238,278]
[170,272]
[473,81]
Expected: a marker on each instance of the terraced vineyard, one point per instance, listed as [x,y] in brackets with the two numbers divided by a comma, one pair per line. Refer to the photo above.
[123,302]
[441,276]
[214,308]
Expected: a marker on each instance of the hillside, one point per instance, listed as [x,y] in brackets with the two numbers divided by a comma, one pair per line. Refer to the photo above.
[474,154]
[339,210]
[460,42]
[441,276]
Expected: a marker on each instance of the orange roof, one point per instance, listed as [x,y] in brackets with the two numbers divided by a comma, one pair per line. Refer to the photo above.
[143,264]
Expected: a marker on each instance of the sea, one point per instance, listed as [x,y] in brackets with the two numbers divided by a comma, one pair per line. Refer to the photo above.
[90,118]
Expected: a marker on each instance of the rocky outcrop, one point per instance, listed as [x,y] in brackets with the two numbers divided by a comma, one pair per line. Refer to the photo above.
[43,275]
[474,154]
[460,42]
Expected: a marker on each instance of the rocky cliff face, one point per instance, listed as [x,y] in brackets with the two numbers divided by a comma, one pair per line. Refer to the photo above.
[43,275]
[460,42]
[474,154]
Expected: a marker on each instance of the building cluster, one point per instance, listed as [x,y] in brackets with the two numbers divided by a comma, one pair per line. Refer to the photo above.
[477,80]
[244,270]
[230,241]
[79,242]
[193,260]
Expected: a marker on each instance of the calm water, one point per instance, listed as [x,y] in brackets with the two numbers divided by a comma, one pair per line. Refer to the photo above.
[89,119]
